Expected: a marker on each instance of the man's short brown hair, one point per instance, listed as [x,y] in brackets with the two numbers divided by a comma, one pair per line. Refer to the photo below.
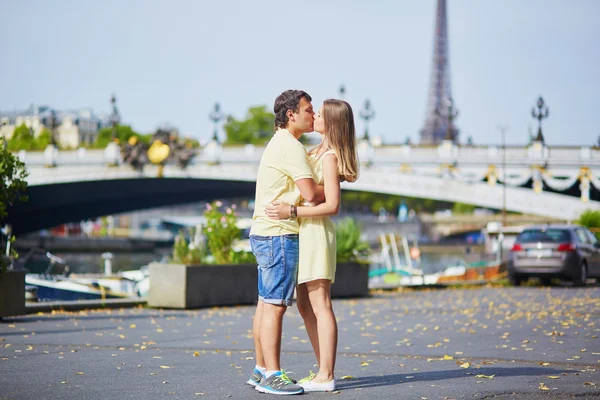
[288,100]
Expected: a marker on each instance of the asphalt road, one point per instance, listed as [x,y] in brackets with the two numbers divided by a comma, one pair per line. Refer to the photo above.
[500,343]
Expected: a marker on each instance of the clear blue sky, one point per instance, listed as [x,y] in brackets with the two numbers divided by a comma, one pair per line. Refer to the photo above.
[169,61]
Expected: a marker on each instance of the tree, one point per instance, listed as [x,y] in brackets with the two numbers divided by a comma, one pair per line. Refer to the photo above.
[257,128]
[22,139]
[124,132]
[43,140]
[590,219]
[361,201]
[12,180]
[462,208]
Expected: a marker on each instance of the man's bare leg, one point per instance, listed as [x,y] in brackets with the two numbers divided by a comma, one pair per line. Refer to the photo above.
[260,360]
[270,335]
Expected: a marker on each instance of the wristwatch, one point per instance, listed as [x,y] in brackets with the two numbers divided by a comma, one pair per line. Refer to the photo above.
[293,211]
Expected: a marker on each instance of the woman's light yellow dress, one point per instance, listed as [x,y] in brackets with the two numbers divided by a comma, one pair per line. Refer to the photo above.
[317,238]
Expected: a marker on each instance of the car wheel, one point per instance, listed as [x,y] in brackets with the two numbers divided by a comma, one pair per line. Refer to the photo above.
[581,277]
[515,280]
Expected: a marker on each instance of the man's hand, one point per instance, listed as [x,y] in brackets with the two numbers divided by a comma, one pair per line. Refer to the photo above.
[278,210]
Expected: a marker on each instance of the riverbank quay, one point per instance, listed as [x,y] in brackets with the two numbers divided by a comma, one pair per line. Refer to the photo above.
[490,342]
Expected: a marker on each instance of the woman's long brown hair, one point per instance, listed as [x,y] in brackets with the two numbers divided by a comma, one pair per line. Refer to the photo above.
[340,135]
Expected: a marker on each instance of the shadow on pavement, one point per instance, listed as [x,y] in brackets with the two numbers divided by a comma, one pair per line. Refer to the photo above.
[396,379]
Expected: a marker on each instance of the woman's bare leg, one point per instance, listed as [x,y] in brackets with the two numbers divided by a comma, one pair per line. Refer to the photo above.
[310,320]
[319,294]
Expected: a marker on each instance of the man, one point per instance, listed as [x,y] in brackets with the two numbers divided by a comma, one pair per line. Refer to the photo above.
[283,175]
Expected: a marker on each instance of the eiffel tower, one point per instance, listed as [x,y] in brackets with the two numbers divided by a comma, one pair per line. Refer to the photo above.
[438,124]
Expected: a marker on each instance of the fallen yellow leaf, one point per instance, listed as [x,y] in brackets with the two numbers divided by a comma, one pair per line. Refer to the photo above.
[554,377]
[465,365]
[347,377]
[589,384]
[364,363]
[196,354]
[485,376]
[543,387]
[79,373]
[447,357]
[164,367]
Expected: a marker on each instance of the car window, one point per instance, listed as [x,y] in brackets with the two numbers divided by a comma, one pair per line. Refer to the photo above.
[593,238]
[544,235]
[582,236]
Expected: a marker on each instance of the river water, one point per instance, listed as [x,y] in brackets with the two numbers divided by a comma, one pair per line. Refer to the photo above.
[93,262]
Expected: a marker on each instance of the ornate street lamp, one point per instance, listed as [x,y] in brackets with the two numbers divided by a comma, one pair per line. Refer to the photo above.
[53,125]
[115,118]
[540,115]
[503,129]
[449,113]
[367,113]
[342,91]
[216,116]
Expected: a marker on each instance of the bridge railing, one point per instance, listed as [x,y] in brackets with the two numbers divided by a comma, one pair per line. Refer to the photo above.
[461,156]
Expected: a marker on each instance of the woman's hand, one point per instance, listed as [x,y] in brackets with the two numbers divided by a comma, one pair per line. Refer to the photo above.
[278,210]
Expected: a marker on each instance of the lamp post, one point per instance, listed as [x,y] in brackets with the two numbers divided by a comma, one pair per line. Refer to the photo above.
[216,116]
[503,129]
[367,113]
[115,118]
[449,113]
[53,125]
[540,115]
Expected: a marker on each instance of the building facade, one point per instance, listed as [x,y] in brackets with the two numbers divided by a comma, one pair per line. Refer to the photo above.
[74,128]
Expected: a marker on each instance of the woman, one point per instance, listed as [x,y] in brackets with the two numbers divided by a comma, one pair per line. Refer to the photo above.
[333,161]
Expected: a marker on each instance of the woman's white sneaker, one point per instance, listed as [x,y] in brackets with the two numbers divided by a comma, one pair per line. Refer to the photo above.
[312,386]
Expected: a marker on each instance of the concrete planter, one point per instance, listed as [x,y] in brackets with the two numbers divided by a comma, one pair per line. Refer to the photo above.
[351,280]
[12,293]
[196,286]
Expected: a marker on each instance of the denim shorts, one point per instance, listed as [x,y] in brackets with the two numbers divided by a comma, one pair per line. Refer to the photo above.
[277,258]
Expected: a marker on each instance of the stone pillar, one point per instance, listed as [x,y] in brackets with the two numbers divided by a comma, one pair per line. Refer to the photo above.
[112,154]
[50,155]
[585,177]
[538,185]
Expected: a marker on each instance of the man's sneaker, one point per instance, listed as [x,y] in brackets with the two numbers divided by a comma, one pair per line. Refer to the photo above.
[255,377]
[312,386]
[279,383]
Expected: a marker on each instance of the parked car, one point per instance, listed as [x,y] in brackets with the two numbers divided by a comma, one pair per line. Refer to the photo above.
[569,252]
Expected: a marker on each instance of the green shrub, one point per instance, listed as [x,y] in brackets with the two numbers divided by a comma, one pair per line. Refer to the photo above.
[220,232]
[189,253]
[349,244]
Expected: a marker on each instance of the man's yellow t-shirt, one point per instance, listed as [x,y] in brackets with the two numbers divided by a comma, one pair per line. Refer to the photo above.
[283,162]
